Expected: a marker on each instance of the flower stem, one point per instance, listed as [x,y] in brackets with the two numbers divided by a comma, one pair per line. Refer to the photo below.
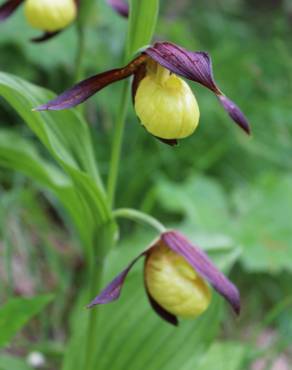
[78,75]
[117,143]
[95,281]
[139,216]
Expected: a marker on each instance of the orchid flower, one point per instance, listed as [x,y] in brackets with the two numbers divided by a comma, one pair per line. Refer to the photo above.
[164,103]
[177,276]
[49,16]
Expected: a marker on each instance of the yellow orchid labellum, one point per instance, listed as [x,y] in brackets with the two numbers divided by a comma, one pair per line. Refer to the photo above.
[165,104]
[174,284]
[50,15]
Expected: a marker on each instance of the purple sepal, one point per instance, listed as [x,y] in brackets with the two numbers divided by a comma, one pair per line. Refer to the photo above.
[195,66]
[235,113]
[204,266]
[113,290]
[45,37]
[120,6]
[8,8]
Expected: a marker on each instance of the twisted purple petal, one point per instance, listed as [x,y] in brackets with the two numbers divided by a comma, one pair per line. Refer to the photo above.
[84,89]
[235,113]
[195,66]
[113,290]
[8,8]
[120,6]
[204,266]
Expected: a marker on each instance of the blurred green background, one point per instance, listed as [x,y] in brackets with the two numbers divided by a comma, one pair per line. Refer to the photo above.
[227,191]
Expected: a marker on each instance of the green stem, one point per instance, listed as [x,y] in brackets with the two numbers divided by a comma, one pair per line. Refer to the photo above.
[141,217]
[117,143]
[95,281]
[78,75]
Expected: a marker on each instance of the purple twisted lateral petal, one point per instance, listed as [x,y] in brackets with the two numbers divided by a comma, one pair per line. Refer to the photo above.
[45,37]
[113,290]
[195,66]
[235,113]
[120,6]
[8,8]
[204,266]
[84,89]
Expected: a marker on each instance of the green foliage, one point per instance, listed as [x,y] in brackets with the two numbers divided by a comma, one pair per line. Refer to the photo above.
[66,136]
[9,362]
[17,312]
[265,213]
[223,356]
[142,23]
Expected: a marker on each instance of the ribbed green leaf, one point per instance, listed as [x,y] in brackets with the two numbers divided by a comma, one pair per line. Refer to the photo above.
[142,22]
[23,157]
[66,136]
[17,312]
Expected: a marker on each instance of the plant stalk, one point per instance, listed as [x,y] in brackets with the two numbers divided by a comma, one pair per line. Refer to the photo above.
[117,143]
[140,217]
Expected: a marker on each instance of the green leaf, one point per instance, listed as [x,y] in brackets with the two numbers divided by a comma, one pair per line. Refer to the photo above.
[200,200]
[223,356]
[66,136]
[17,312]
[9,363]
[142,23]
[24,157]
[264,225]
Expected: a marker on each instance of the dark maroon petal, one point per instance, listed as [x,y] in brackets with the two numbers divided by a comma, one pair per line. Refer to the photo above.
[8,8]
[204,266]
[120,6]
[235,113]
[165,315]
[195,66]
[170,142]
[84,89]
[113,290]
[45,37]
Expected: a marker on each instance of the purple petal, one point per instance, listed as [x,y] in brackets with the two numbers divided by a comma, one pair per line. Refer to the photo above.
[45,37]
[120,6]
[113,290]
[235,113]
[204,266]
[84,89]
[195,66]
[8,8]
